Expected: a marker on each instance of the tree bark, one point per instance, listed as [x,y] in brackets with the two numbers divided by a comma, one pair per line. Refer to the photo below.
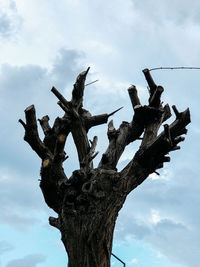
[87,224]
[87,203]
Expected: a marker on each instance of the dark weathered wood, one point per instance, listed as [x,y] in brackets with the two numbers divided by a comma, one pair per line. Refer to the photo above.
[44,122]
[79,135]
[31,133]
[167,113]
[134,96]
[60,97]
[92,121]
[155,99]
[59,154]
[150,81]
[78,90]
[88,202]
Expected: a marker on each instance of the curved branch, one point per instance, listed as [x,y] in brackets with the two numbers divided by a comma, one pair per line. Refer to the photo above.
[31,134]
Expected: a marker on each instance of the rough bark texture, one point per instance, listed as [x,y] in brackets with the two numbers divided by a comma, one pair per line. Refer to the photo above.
[88,202]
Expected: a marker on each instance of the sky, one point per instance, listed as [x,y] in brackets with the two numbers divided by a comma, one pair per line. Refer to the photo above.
[47,43]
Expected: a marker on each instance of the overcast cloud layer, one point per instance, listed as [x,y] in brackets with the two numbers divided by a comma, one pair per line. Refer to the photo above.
[48,43]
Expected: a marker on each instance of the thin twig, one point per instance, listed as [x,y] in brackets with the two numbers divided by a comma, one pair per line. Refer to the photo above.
[175,68]
[91,82]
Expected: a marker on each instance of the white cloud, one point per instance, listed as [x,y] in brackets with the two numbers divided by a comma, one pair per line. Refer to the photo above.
[155,217]
[10,21]
[134,261]
[5,247]
[28,261]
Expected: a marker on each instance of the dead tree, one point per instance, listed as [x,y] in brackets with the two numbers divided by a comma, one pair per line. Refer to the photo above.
[88,202]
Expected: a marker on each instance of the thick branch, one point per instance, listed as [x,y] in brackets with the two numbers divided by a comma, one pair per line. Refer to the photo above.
[155,99]
[134,96]
[167,113]
[154,115]
[31,133]
[79,135]
[150,81]
[118,140]
[152,157]
[54,222]
[78,91]
[127,133]
[171,132]
[59,154]
[98,119]
[60,97]
[44,122]
[87,161]
[52,177]
[153,118]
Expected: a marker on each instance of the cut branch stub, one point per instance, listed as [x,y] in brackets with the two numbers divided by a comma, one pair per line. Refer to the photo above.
[134,96]
[155,99]
[78,91]
[92,121]
[31,133]
[54,222]
[177,113]
[167,112]
[168,134]
[60,97]
[150,81]
[44,122]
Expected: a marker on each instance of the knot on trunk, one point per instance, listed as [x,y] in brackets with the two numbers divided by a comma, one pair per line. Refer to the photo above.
[87,187]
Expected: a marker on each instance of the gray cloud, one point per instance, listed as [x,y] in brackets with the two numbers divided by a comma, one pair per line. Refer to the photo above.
[5,247]
[20,194]
[10,21]
[5,25]
[23,86]
[28,261]
[65,68]
[161,11]
[176,200]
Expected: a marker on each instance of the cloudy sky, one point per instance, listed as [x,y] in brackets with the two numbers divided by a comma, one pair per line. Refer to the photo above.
[48,42]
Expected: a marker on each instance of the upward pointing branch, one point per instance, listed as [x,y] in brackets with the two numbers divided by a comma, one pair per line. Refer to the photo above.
[78,91]
[134,96]
[31,133]
[150,81]
[60,97]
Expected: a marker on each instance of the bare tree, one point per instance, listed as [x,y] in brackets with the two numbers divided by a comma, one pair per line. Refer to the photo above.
[88,202]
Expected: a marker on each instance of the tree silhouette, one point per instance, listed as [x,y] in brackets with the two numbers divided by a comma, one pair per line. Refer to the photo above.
[88,202]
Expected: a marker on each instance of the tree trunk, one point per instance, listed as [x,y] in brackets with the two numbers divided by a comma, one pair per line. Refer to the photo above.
[87,248]
[87,216]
